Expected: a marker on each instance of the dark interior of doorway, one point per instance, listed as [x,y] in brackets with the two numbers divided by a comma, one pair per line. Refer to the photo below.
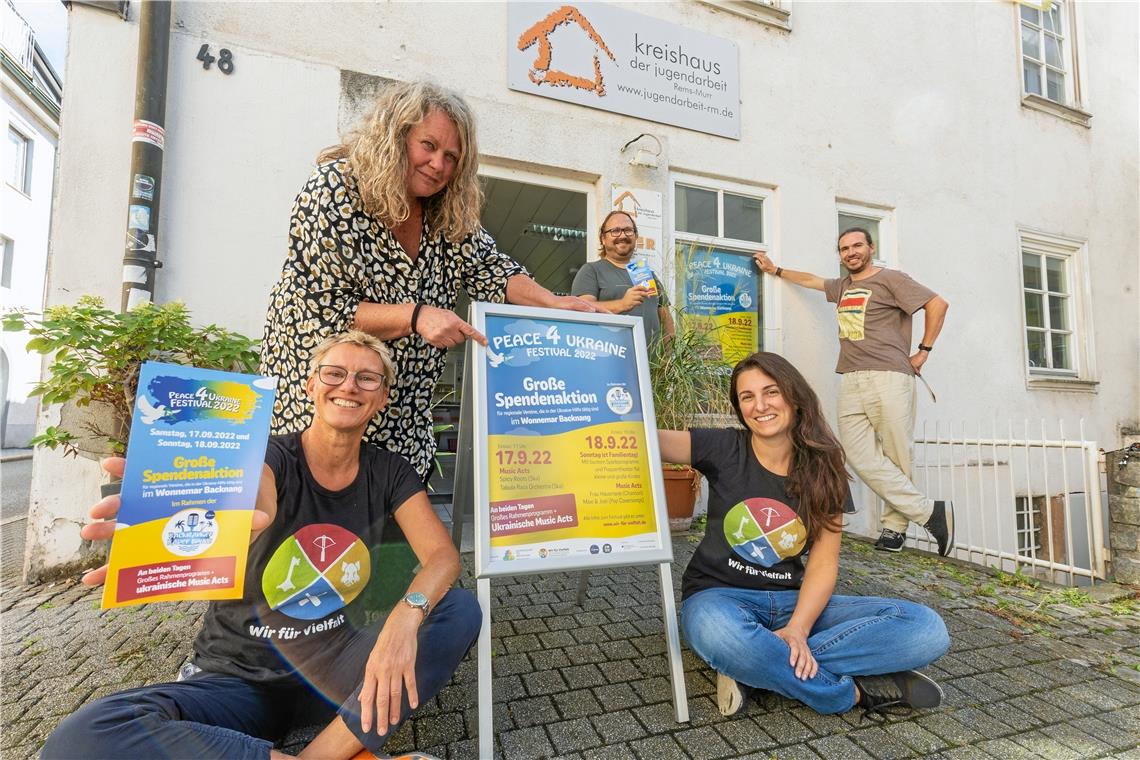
[542,228]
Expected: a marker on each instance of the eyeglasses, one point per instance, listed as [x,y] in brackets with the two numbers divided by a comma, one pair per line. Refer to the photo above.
[331,374]
[621,232]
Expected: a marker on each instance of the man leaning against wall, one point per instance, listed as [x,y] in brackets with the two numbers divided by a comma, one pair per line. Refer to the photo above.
[877,400]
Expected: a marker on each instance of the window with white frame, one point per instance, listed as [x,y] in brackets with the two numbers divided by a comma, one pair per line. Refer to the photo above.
[19,160]
[9,257]
[1057,323]
[1048,51]
[877,221]
[717,226]
[1028,530]
[775,13]
[717,213]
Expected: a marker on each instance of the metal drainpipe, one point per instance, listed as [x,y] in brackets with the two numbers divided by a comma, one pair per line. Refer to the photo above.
[148,137]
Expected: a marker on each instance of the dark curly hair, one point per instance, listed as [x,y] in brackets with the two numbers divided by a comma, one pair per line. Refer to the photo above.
[817,478]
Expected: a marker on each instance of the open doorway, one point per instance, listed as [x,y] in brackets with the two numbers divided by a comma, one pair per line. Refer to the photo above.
[544,224]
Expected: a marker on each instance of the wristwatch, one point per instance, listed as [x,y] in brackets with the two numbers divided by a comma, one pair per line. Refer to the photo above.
[419,601]
[927,349]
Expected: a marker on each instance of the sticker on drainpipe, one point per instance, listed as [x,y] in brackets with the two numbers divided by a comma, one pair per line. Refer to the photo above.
[133,273]
[137,296]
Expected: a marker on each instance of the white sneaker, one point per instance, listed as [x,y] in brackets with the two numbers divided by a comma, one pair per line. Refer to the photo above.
[729,695]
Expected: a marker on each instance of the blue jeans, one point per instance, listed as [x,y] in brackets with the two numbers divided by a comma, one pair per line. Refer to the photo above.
[731,630]
[220,716]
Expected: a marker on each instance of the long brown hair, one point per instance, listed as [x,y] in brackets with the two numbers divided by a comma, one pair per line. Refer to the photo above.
[376,151]
[817,477]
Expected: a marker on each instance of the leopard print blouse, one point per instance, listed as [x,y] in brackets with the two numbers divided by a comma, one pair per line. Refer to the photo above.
[339,256]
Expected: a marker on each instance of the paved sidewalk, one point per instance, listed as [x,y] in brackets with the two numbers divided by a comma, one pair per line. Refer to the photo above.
[1032,672]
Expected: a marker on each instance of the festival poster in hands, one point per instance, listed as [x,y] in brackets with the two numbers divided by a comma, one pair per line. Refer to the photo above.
[568,458]
[641,275]
[194,463]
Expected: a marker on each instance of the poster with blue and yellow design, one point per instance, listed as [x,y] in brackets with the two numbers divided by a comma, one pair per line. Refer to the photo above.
[720,298]
[568,458]
[194,463]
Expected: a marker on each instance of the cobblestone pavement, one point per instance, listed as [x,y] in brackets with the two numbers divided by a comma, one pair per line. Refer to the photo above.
[1033,671]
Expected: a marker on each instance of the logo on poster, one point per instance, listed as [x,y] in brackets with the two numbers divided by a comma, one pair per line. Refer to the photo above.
[619,400]
[190,532]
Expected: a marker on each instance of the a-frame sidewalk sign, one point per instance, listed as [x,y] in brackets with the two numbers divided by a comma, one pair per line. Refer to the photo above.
[558,459]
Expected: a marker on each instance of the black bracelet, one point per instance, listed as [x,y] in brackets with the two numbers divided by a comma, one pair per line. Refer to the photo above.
[416,316]
[927,349]
[779,271]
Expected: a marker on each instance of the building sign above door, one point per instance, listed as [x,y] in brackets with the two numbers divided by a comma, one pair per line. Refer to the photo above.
[604,57]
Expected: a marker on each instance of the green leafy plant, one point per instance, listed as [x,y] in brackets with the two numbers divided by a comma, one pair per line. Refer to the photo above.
[685,383]
[95,359]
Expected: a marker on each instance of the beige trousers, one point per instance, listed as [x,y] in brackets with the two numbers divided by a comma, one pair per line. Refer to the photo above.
[876,424]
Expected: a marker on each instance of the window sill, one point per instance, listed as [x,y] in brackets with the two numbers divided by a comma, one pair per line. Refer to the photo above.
[755,10]
[18,190]
[1068,113]
[1053,383]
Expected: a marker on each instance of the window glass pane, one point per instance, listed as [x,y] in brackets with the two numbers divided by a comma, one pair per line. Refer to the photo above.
[1031,266]
[1032,77]
[17,152]
[1055,272]
[743,218]
[1053,51]
[1056,85]
[695,210]
[1033,315]
[1062,358]
[1035,341]
[1058,312]
[1030,42]
[1053,19]
[9,252]
[1032,15]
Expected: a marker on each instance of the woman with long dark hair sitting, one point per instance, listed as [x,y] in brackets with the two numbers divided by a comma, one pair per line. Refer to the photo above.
[757,596]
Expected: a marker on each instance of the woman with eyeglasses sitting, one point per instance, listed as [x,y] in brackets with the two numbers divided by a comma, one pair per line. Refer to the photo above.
[751,607]
[288,653]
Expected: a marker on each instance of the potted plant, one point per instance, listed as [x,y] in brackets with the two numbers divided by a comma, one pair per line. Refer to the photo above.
[95,359]
[686,385]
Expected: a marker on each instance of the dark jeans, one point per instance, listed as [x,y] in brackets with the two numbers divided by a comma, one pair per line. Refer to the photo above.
[220,716]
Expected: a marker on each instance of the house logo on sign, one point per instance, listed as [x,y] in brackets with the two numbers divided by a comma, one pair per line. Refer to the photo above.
[541,71]
[627,204]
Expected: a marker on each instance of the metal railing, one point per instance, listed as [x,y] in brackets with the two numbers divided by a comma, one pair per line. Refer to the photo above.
[16,36]
[1057,479]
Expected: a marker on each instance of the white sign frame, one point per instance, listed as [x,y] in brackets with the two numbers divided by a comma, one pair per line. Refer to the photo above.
[484,566]
[475,401]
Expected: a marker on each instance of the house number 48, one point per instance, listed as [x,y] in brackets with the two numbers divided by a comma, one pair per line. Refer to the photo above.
[225,59]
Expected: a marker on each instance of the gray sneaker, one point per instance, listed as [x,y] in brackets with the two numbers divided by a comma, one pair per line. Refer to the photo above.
[890,541]
[880,696]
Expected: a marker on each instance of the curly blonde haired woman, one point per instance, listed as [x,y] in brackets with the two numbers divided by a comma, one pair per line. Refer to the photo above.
[381,238]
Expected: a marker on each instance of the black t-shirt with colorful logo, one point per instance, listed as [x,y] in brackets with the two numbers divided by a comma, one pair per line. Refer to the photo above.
[307,571]
[755,538]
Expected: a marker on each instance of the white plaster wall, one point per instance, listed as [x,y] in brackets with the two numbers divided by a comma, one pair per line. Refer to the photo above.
[238,149]
[25,219]
[908,106]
